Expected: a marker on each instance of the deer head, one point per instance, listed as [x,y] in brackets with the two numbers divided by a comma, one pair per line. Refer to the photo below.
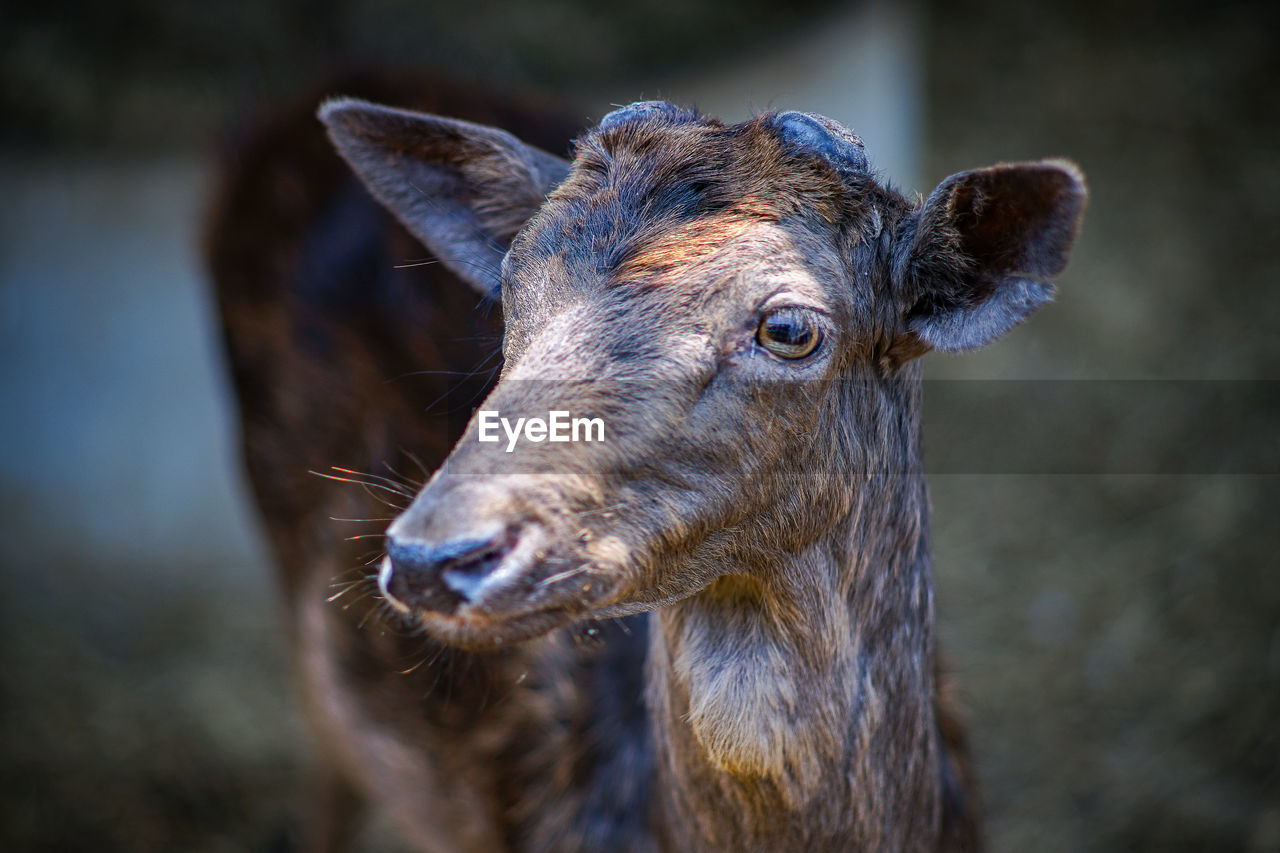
[740,306]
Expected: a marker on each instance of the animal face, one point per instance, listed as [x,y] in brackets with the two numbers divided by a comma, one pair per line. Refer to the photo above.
[737,306]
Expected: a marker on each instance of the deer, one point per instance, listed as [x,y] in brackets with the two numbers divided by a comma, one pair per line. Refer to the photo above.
[714,629]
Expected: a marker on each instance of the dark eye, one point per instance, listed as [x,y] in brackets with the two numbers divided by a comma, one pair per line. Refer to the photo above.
[789,333]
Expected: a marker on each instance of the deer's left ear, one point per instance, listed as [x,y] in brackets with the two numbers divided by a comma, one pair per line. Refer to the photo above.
[983,250]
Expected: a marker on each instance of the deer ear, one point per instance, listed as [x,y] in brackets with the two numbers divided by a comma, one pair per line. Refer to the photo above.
[985,246]
[463,189]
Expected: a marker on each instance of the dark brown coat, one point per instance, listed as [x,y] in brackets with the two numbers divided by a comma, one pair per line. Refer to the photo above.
[768,509]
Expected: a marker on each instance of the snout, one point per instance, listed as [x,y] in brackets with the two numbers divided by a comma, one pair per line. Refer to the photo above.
[481,587]
[484,561]
[440,577]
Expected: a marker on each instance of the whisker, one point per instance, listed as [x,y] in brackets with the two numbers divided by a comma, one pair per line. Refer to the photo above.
[396,490]
[384,482]
[465,374]
[407,481]
[380,499]
[342,579]
[475,371]
[347,584]
[567,573]
[358,600]
[343,591]
[422,660]
[416,461]
[599,510]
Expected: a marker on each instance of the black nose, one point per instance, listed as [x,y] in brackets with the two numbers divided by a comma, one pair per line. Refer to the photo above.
[440,577]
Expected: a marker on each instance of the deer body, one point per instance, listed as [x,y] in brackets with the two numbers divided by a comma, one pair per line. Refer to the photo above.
[743,306]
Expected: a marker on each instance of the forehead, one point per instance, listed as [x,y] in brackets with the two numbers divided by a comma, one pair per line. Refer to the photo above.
[650,196]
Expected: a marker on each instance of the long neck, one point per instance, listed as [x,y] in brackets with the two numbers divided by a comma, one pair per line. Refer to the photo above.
[793,707]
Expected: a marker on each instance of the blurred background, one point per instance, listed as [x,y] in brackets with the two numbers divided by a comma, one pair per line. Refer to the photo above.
[1115,624]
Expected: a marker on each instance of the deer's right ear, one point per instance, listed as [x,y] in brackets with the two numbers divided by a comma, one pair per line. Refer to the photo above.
[463,189]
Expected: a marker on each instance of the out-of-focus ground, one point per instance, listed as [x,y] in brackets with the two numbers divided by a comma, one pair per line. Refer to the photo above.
[1117,635]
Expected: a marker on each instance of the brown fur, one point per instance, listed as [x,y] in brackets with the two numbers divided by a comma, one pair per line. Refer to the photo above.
[783,695]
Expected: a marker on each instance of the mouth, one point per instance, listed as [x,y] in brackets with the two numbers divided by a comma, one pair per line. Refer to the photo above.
[480,633]
[521,609]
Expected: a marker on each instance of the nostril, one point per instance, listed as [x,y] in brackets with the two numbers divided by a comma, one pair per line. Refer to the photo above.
[420,573]
[468,580]
[466,573]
